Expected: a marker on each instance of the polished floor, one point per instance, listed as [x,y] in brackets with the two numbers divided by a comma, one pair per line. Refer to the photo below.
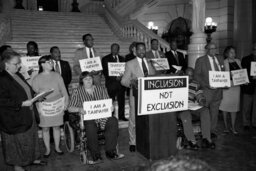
[232,153]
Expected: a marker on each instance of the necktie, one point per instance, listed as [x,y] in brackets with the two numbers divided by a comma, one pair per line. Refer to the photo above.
[144,68]
[57,67]
[176,57]
[156,54]
[216,68]
[91,55]
[116,58]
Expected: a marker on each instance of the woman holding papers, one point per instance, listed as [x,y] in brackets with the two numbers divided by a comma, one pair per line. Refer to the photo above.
[231,96]
[45,80]
[18,115]
[87,91]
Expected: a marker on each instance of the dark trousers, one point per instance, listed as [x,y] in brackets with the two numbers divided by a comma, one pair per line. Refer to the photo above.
[119,92]
[111,134]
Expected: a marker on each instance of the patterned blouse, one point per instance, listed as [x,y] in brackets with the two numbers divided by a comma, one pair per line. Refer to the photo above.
[80,95]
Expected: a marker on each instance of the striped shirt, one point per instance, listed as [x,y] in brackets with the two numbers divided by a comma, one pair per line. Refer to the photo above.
[80,95]
[195,94]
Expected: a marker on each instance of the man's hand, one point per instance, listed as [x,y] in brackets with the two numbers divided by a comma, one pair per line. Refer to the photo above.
[27,103]
[134,83]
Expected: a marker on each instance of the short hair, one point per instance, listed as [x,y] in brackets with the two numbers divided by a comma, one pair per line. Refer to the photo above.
[83,75]
[7,56]
[85,35]
[3,48]
[140,43]
[115,44]
[43,59]
[132,45]
[153,40]
[208,44]
[53,47]
[226,50]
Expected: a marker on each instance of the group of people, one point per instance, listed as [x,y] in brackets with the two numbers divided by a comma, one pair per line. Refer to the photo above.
[20,116]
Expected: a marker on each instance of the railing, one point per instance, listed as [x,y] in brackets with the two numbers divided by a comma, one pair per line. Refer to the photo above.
[113,3]
[5,29]
[132,29]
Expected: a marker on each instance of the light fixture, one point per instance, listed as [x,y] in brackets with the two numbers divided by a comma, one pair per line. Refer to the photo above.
[152,27]
[209,28]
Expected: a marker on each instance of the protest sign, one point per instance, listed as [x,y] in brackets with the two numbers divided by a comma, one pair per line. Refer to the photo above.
[162,94]
[160,64]
[239,77]
[219,79]
[90,64]
[116,68]
[97,109]
[52,108]
[29,64]
[253,69]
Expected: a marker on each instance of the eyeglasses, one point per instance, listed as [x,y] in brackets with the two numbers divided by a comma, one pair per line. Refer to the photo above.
[15,64]
[49,62]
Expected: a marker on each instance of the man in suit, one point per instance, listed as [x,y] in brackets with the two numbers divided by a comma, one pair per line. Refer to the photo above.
[204,64]
[138,67]
[61,66]
[113,83]
[84,53]
[175,59]
[249,92]
[154,52]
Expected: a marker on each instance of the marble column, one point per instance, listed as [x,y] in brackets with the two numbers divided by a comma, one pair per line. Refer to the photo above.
[198,38]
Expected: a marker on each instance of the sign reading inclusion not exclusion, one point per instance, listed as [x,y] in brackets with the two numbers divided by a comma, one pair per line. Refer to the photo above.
[162,94]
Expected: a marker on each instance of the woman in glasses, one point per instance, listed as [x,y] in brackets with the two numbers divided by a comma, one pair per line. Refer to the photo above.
[45,80]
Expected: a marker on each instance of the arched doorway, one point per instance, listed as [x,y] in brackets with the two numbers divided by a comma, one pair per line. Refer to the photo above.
[48,5]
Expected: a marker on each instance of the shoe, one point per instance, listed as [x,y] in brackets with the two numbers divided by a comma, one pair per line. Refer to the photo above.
[39,163]
[193,146]
[213,135]
[208,144]
[112,155]
[47,155]
[132,148]
[226,131]
[123,119]
[59,152]
[234,131]
[96,159]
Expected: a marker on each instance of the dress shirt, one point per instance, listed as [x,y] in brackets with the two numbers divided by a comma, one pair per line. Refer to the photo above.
[88,51]
[140,63]
[211,63]
[57,63]
[156,54]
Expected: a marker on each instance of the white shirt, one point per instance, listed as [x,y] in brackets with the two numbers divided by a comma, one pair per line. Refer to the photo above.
[57,63]
[174,53]
[88,52]
[116,58]
[211,63]
[140,63]
[156,53]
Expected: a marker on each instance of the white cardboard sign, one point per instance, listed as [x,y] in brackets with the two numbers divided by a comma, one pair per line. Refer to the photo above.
[239,77]
[219,79]
[253,69]
[52,108]
[97,109]
[90,64]
[116,68]
[162,94]
[160,64]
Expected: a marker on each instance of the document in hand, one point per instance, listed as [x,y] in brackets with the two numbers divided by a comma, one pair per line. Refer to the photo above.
[42,95]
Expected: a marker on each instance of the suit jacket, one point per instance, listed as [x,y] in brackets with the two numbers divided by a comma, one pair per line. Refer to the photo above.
[150,55]
[172,61]
[66,72]
[110,81]
[246,63]
[81,54]
[13,117]
[133,71]
[201,74]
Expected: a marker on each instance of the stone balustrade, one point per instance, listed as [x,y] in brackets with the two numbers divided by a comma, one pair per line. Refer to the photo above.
[5,29]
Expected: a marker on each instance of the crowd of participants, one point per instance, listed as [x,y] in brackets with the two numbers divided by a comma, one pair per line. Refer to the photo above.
[20,119]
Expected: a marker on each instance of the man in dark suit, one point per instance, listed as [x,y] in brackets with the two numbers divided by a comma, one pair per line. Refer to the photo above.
[113,83]
[61,66]
[175,59]
[249,92]
[204,64]
[154,52]
[135,68]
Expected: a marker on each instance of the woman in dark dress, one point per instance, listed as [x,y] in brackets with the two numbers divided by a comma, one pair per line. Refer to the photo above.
[18,115]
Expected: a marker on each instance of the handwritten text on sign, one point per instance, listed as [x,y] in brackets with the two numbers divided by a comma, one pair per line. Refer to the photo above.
[52,108]
[162,94]
[30,62]
[240,77]
[116,69]
[160,64]
[253,69]
[97,109]
[90,64]
[218,79]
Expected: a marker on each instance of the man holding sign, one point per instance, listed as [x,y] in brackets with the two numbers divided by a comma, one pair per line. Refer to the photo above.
[113,78]
[204,64]
[248,90]
[86,52]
